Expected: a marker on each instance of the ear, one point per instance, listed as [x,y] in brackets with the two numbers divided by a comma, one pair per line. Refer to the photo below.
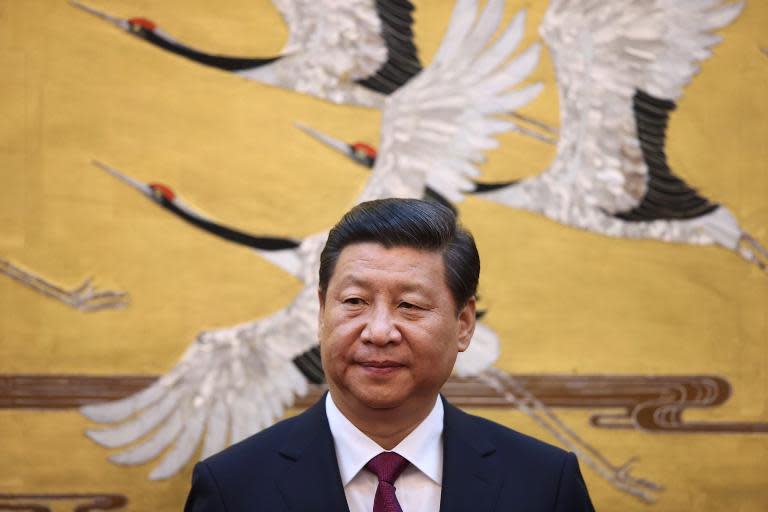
[321,300]
[467,318]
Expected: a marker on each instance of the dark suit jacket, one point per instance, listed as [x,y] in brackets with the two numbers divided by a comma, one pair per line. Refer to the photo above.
[292,466]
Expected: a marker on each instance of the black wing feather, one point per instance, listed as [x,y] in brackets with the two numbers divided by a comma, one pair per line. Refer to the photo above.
[402,56]
[667,197]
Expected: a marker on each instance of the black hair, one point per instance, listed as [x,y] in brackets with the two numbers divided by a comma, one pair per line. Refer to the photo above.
[411,223]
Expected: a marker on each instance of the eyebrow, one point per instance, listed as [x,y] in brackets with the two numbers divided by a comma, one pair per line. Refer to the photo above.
[354,280]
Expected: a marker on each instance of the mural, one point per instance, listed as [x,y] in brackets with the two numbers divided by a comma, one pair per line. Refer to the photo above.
[599,342]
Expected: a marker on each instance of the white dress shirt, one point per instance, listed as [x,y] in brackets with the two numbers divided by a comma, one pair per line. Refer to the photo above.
[418,487]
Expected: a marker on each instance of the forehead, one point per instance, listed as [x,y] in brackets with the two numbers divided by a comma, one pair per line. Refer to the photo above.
[372,263]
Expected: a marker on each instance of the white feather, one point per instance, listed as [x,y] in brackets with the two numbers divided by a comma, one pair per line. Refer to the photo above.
[119,410]
[482,352]
[151,448]
[329,48]
[217,430]
[130,431]
[183,448]
[502,49]
[425,134]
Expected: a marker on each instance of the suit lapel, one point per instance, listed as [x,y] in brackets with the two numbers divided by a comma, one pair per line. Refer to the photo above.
[470,476]
[311,480]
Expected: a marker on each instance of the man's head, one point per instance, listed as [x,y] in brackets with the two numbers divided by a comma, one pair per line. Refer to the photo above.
[413,223]
[397,304]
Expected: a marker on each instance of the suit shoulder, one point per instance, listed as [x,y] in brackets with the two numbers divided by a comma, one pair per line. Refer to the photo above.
[510,436]
[508,440]
[258,447]
[529,470]
[244,476]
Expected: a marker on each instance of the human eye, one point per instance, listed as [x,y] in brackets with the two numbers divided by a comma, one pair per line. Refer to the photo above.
[353,301]
[408,306]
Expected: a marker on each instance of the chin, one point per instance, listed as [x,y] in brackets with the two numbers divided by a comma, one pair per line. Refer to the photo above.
[377,399]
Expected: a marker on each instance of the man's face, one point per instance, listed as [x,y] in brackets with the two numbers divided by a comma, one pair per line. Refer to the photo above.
[389,330]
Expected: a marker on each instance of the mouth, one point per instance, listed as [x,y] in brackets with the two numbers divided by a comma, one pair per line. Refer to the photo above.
[380,367]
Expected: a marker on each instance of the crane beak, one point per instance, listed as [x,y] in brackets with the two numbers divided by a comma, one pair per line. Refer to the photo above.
[329,141]
[118,22]
[141,187]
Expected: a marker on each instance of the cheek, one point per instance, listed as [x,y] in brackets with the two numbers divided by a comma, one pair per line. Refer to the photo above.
[436,345]
[337,336]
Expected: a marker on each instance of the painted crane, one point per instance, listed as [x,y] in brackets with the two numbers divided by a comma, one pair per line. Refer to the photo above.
[355,52]
[620,68]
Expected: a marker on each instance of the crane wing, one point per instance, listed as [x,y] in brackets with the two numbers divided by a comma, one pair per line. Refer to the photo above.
[229,384]
[367,41]
[436,128]
[402,55]
[482,352]
[620,65]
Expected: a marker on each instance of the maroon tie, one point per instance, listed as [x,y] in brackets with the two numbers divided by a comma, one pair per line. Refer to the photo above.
[387,466]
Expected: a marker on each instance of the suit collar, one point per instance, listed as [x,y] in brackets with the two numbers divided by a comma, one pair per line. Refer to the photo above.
[470,468]
[423,447]
[311,479]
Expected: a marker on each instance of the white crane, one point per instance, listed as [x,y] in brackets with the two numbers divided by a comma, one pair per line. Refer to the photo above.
[233,382]
[620,67]
[352,52]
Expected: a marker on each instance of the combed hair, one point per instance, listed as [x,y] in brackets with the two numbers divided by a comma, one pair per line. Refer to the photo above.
[411,223]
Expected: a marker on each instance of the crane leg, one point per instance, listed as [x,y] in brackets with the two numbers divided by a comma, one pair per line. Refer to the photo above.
[83,298]
[550,137]
[752,250]
[618,476]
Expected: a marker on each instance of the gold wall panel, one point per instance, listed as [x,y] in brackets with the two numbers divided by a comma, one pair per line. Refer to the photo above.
[563,301]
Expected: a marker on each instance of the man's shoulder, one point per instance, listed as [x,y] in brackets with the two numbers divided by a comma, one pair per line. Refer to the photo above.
[503,439]
[271,445]
[267,440]
[529,471]
[244,476]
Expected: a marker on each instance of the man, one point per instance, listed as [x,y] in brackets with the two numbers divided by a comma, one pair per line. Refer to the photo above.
[398,282]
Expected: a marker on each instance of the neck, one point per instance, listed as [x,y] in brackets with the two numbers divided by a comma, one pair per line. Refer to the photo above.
[387,426]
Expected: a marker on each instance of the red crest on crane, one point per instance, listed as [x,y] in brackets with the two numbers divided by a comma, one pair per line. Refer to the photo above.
[367,149]
[143,23]
[161,190]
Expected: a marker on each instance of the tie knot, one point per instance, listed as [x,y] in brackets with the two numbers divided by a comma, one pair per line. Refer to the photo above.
[387,466]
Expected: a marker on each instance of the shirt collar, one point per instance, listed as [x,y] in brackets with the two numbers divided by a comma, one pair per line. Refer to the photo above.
[423,447]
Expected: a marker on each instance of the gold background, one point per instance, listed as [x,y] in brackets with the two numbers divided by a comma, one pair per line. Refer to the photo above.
[563,301]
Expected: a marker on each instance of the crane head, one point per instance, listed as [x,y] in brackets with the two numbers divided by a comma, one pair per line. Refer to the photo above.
[364,154]
[160,192]
[133,25]
[137,24]
[155,191]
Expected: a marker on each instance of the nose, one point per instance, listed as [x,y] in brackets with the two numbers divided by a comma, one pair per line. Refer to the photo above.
[381,328]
